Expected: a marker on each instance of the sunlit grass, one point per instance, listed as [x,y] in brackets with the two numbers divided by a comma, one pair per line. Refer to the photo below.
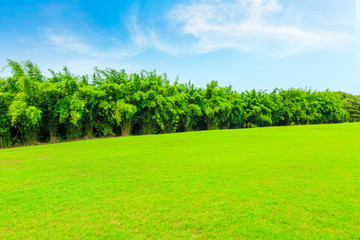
[275,183]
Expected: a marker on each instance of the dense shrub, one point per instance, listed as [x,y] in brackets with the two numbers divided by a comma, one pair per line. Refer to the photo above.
[35,108]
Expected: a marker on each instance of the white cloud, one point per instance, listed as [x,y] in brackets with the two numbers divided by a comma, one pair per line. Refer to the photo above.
[202,26]
[82,53]
[72,43]
[259,26]
[69,43]
[147,38]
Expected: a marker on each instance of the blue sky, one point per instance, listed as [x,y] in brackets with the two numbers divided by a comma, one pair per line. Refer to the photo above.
[249,44]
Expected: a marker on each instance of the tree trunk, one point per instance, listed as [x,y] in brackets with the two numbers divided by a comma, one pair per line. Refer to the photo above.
[73,132]
[147,129]
[212,126]
[53,137]
[225,127]
[188,129]
[89,132]
[125,128]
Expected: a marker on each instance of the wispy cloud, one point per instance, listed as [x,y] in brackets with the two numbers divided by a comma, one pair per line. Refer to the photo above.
[259,26]
[73,43]
[146,37]
[70,43]
[82,53]
[202,26]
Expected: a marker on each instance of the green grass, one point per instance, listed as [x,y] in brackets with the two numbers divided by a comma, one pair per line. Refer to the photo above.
[299,182]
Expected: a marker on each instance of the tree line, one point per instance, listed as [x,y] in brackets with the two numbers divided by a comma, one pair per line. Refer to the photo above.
[64,106]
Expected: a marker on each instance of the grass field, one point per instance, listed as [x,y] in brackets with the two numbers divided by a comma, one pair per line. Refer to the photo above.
[300,182]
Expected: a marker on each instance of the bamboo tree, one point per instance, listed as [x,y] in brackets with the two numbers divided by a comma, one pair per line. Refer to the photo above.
[216,108]
[124,114]
[351,103]
[26,119]
[257,108]
[5,124]
[70,108]
[65,106]
[190,107]
[154,104]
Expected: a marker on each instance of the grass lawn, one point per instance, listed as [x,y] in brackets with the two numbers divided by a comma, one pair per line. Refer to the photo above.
[300,182]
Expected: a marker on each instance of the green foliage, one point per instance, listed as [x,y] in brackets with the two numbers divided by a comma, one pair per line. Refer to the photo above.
[5,124]
[25,119]
[217,108]
[190,106]
[124,114]
[257,107]
[351,105]
[65,106]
